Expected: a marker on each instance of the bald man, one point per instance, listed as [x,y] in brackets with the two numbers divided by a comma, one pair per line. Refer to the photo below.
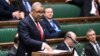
[68,43]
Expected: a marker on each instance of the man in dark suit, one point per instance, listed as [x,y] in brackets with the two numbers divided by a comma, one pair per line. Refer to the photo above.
[88,7]
[8,11]
[93,47]
[68,43]
[25,6]
[31,33]
[13,49]
[54,30]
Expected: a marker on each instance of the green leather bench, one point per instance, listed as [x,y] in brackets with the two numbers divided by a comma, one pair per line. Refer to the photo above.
[3,53]
[7,34]
[64,10]
[81,29]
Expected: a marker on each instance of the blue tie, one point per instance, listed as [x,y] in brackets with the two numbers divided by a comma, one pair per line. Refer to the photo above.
[27,6]
[54,26]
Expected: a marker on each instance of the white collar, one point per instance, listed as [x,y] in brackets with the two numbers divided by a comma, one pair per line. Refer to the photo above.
[32,18]
[70,49]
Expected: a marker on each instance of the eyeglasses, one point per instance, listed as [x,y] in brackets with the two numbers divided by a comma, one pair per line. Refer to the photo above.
[39,11]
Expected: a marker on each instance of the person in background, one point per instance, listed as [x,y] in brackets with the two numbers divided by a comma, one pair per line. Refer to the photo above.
[92,48]
[24,6]
[53,28]
[31,33]
[68,43]
[13,49]
[88,7]
[8,11]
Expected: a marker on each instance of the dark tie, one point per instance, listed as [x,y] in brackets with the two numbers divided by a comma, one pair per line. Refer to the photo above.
[40,29]
[98,49]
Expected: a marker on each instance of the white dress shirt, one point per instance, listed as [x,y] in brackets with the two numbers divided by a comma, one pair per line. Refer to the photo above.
[71,49]
[93,8]
[94,45]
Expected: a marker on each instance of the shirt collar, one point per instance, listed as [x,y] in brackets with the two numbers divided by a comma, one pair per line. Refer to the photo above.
[68,46]
[32,18]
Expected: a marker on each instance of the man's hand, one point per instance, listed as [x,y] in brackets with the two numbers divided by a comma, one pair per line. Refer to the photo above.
[16,14]
[22,15]
[47,48]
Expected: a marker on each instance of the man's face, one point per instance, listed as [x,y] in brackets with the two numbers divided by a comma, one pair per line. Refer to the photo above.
[70,42]
[37,13]
[48,13]
[91,36]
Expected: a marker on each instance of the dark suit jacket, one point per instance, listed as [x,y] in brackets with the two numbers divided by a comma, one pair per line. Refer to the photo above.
[6,10]
[62,46]
[85,6]
[22,7]
[12,51]
[51,33]
[29,37]
[89,50]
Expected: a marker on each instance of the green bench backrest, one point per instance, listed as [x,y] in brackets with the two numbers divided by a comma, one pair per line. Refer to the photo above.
[3,53]
[7,34]
[81,29]
[64,10]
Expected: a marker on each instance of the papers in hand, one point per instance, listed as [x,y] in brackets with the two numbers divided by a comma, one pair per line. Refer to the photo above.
[54,51]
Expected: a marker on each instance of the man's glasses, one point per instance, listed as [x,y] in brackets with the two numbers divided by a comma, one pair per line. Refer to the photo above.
[39,11]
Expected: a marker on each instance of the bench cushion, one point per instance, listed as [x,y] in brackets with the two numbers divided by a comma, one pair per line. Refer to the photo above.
[7,34]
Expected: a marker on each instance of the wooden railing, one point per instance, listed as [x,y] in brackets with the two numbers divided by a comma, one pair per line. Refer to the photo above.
[50,41]
[79,39]
[78,20]
[14,23]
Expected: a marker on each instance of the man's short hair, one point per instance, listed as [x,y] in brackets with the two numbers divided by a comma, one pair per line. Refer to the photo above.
[89,30]
[35,4]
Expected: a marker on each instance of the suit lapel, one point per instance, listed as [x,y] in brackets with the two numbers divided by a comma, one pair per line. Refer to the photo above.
[65,46]
[92,48]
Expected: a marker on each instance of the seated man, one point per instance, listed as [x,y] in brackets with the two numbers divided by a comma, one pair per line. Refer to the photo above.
[52,26]
[13,49]
[68,43]
[93,47]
